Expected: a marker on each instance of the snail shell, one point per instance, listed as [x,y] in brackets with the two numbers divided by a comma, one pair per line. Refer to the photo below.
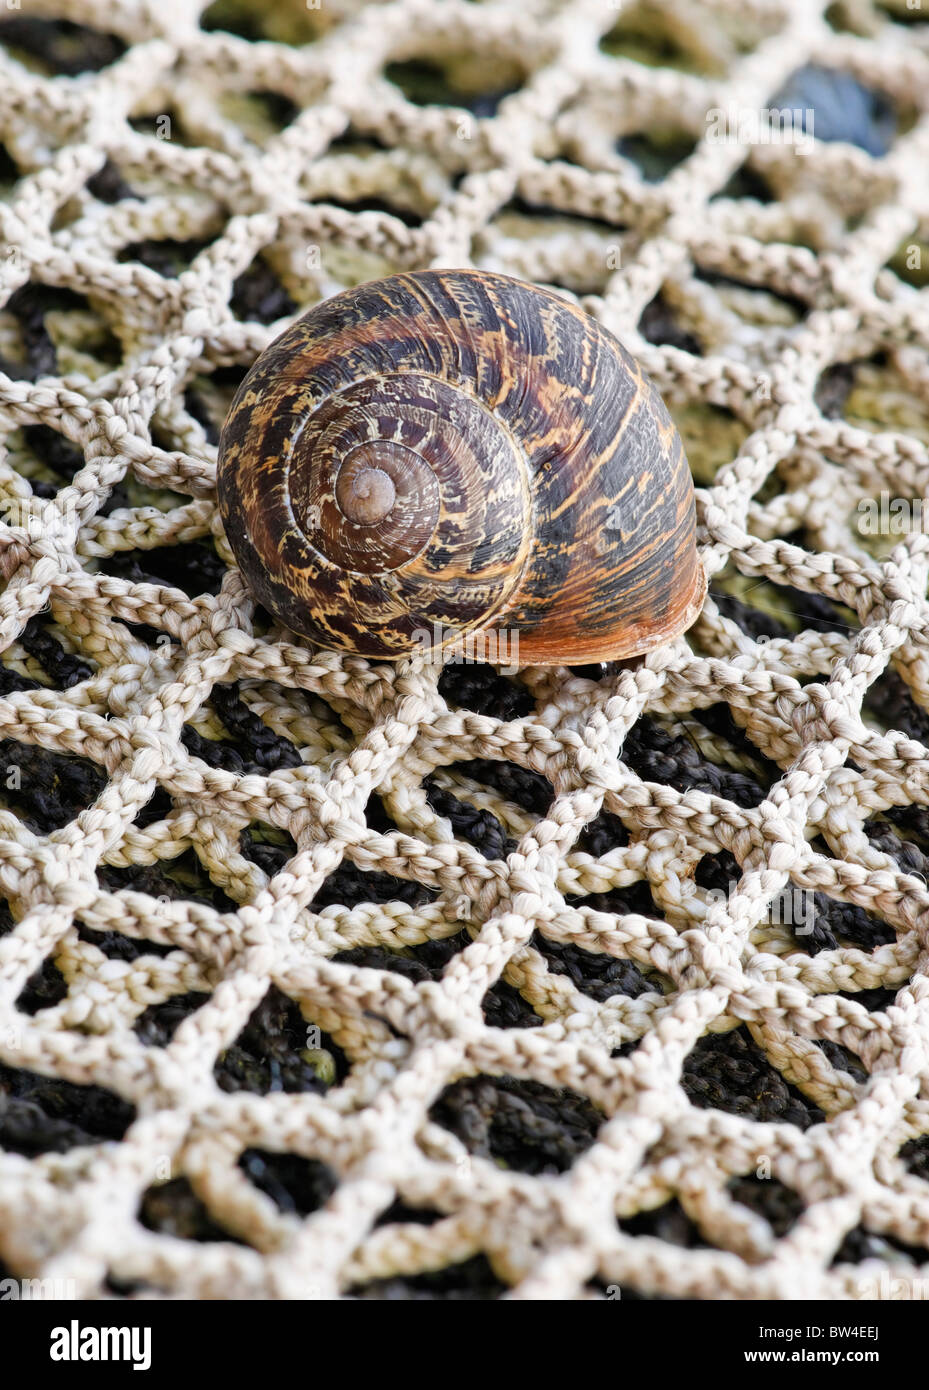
[451,452]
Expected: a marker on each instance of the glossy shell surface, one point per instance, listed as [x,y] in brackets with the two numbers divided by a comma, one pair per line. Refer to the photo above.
[446,453]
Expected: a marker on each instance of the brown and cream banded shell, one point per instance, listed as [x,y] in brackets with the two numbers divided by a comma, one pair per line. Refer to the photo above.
[449,453]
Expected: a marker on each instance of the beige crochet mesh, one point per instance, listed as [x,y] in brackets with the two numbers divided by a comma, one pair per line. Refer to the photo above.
[441,185]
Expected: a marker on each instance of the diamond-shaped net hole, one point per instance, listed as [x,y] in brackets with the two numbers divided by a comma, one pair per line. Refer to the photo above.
[528,1126]
[41,1114]
[730,1072]
[59,46]
[278,1050]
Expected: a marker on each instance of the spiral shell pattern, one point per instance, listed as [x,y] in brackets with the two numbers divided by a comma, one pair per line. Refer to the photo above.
[447,452]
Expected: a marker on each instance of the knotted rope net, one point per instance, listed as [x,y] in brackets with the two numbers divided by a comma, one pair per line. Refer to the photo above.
[324,977]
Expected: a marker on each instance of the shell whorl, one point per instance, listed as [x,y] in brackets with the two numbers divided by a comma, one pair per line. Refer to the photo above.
[417,502]
[448,451]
